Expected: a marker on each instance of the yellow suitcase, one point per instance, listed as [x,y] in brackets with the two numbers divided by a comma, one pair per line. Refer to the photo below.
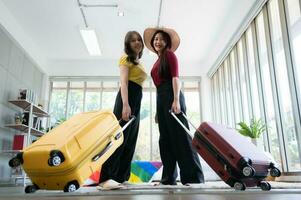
[66,156]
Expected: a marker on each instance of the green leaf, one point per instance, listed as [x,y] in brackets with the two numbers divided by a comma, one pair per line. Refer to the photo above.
[254,130]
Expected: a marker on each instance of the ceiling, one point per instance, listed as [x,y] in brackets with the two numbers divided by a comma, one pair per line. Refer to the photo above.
[48,30]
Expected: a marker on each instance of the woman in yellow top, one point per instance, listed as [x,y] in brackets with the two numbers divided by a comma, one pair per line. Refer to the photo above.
[116,169]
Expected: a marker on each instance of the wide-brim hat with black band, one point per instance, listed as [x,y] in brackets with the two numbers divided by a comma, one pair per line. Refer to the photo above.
[149,33]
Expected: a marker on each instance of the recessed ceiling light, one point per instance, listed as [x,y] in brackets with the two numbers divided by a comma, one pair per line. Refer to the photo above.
[91,41]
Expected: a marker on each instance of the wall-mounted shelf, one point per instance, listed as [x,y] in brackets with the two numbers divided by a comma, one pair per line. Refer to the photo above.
[33,112]
[9,151]
[25,105]
[24,128]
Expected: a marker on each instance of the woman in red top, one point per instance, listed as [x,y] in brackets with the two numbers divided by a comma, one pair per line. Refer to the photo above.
[174,142]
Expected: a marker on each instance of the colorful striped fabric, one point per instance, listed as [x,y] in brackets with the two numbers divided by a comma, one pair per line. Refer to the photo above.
[143,171]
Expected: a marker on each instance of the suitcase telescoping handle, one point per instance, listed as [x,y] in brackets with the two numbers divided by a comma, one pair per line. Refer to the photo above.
[179,121]
[132,118]
[119,132]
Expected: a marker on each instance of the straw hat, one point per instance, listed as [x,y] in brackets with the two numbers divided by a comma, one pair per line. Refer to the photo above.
[149,33]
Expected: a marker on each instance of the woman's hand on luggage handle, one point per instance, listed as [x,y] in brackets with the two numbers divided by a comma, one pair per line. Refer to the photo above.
[126,112]
[176,107]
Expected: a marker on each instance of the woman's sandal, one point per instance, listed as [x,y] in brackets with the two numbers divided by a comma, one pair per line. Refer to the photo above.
[109,185]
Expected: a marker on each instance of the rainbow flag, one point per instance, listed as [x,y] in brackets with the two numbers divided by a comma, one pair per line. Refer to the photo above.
[143,171]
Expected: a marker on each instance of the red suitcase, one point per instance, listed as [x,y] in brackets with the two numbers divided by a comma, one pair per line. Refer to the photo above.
[237,161]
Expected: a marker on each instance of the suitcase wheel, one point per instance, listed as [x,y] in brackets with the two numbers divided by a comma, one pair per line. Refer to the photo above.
[248,171]
[275,172]
[71,186]
[14,162]
[265,186]
[56,158]
[239,186]
[31,188]
[55,161]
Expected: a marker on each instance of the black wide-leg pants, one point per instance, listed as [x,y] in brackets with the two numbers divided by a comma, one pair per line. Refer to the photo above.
[175,144]
[118,166]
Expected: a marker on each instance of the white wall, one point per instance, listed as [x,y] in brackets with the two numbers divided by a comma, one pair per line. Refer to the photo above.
[16,71]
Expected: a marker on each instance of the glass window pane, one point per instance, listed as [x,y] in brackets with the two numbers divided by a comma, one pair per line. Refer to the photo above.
[228,94]
[283,88]
[217,99]
[252,74]
[92,100]
[155,131]
[243,82]
[143,146]
[76,102]
[213,99]
[294,28]
[293,7]
[236,97]
[108,100]
[267,90]
[58,105]
[193,106]
[222,95]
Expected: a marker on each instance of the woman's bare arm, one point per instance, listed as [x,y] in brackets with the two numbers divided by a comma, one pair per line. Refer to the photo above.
[124,79]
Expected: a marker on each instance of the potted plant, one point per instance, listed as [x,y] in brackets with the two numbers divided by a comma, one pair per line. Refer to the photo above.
[254,130]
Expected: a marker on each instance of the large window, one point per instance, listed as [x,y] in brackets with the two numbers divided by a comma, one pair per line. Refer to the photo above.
[267,81]
[294,29]
[284,94]
[273,139]
[72,96]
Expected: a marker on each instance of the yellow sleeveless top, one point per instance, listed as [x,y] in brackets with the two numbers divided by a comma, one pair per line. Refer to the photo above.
[136,74]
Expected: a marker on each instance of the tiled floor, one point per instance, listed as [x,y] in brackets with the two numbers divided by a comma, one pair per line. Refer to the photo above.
[208,191]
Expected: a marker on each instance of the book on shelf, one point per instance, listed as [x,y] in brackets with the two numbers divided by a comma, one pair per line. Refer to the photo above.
[19,142]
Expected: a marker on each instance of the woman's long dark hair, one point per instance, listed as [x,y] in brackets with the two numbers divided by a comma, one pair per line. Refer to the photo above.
[164,71]
[127,47]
